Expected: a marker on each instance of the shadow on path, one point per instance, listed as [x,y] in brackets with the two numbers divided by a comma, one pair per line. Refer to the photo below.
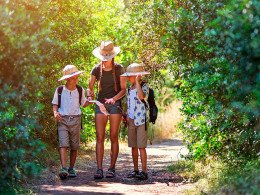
[159,181]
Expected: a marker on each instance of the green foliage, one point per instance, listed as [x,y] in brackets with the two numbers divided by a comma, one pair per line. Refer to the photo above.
[213,176]
[220,86]
[242,180]
[25,48]
[210,47]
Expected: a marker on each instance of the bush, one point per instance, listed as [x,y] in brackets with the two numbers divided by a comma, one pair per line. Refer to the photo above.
[220,86]
[25,48]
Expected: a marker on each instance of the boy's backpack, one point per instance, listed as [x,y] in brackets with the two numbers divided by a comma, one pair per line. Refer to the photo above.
[153,110]
[60,89]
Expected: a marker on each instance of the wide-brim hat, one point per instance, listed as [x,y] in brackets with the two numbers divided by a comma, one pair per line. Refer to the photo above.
[134,69]
[106,51]
[70,71]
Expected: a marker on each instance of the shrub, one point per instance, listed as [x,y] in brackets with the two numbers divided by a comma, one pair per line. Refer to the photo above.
[25,48]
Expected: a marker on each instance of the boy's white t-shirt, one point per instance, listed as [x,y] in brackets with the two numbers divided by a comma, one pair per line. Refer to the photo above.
[69,101]
[131,111]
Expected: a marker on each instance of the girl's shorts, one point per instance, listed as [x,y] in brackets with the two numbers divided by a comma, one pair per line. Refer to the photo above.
[111,108]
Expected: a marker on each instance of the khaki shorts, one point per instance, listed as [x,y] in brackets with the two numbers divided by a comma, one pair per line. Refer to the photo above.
[137,136]
[69,131]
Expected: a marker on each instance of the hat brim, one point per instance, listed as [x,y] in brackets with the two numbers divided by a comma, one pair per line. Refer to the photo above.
[71,75]
[128,74]
[96,53]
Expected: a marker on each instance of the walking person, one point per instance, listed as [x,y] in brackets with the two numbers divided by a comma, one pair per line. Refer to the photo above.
[66,102]
[111,88]
[138,117]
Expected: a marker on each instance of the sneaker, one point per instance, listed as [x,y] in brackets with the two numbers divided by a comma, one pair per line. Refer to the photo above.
[63,173]
[72,172]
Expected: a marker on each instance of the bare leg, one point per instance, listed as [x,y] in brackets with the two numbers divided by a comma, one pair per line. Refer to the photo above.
[100,122]
[73,156]
[63,155]
[143,159]
[115,120]
[135,157]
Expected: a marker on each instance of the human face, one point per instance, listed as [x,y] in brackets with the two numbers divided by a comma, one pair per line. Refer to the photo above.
[108,63]
[73,80]
[131,79]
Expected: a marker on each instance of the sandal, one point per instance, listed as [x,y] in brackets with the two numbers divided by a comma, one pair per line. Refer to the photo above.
[110,173]
[133,174]
[99,174]
[143,176]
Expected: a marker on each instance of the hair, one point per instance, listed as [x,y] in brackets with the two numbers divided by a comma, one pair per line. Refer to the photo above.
[113,73]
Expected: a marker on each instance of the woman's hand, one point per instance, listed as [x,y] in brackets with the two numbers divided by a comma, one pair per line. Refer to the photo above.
[110,101]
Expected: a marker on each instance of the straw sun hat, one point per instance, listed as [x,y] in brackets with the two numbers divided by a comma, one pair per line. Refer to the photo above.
[106,51]
[134,69]
[70,71]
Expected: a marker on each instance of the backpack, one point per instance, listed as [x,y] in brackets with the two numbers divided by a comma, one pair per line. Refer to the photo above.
[60,89]
[153,110]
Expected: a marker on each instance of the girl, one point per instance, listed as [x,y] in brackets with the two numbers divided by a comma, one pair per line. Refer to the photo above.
[111,88]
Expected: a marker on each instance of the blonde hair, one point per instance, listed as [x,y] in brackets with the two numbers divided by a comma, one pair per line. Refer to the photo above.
[113,73]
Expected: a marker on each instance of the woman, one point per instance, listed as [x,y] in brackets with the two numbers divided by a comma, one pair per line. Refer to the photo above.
[111,88]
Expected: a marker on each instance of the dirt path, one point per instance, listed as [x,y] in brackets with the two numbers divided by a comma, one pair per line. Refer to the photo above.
[159,182]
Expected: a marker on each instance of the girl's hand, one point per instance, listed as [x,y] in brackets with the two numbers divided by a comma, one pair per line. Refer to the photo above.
[110,101]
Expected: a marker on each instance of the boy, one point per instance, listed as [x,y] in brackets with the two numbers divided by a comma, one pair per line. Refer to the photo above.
[137,118]
[66,109]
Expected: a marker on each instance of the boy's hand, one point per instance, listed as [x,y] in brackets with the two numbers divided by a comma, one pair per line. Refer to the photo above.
[57,116]
[90,95]
[138,78]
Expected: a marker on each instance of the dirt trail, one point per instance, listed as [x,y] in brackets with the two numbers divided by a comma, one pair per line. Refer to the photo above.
[159,182]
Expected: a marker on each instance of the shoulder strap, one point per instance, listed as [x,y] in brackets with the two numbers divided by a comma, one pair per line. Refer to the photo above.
[60,88]
[145,104]
[79,88]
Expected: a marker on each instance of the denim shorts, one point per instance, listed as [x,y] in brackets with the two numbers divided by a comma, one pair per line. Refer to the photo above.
[111,108]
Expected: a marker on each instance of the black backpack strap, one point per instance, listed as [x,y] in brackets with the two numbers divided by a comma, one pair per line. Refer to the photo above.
[145,104]
[60,88]
[79,88]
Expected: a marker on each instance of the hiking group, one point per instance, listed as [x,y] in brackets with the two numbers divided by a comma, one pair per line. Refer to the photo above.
[111,79]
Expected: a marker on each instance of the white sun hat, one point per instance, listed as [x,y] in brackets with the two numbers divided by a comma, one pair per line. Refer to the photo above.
[70,71]
[106,51]
[134,69]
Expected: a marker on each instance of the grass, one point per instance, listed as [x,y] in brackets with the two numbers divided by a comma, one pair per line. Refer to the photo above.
[215,177]
[166,123]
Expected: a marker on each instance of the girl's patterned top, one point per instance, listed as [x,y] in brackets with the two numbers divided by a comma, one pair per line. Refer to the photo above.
[139,107]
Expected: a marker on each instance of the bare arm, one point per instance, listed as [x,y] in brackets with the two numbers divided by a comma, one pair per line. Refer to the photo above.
[86,104]
[90,92]
[57,115]
[140,92]
[123,89]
